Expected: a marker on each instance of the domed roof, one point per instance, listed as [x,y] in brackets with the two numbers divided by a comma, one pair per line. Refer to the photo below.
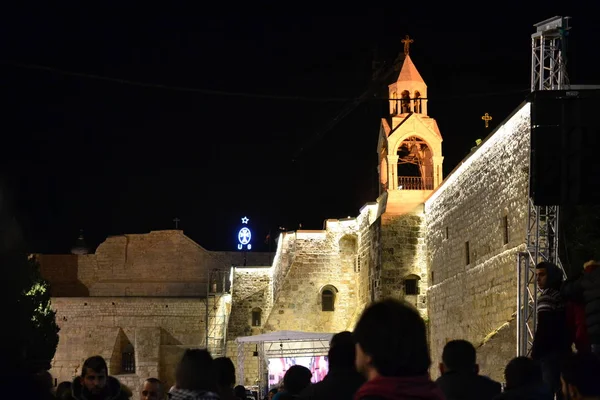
[80,247]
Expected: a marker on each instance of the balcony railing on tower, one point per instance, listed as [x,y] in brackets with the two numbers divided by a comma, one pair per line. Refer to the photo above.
[415,183]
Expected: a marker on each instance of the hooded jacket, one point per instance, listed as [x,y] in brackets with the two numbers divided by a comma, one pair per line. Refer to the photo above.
[400,388]
[114,390]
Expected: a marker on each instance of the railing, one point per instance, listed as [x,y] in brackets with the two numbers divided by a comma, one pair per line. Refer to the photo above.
[414,183]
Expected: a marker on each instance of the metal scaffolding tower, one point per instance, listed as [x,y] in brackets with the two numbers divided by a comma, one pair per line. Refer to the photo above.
[217,312]
[548,56]
[548,72]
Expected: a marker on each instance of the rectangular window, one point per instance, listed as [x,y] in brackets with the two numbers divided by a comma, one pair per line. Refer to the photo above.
[128,363]
[256,318]
[505,229]
[467,254]
[411,287]
[432,277]
[447,234]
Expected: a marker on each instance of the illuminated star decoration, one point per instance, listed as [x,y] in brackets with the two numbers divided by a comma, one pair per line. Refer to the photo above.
[245,220]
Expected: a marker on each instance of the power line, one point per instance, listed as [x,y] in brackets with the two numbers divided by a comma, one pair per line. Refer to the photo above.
[379,77]
[246,94]
[175,88]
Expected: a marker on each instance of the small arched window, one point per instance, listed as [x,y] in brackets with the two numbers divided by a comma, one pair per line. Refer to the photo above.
[328,295]
[128,359]
[256,317]
[327,300]
[417,102]
[405,102]
[411,285]
[394,103]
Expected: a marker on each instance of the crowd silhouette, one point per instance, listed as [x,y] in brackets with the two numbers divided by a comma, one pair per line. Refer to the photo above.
[386,357]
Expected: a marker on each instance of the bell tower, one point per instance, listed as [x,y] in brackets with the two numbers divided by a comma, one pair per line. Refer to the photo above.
[410,169]
[410,142]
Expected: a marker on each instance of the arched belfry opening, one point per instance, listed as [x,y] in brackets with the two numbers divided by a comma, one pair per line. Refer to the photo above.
[405,101]
[417,102]
[415,165]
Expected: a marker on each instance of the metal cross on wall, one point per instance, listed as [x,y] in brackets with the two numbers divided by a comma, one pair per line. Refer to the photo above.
[176,220]
[407,42]
[487,118]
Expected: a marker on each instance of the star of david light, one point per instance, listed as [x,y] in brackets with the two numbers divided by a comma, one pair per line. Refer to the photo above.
[245,220]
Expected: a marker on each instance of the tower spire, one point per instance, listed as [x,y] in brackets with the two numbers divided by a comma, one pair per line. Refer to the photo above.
[409,93]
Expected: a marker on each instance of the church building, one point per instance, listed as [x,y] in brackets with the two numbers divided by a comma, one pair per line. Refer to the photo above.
[447,246]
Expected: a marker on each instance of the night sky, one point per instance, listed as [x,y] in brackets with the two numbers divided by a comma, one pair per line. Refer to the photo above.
[211,117]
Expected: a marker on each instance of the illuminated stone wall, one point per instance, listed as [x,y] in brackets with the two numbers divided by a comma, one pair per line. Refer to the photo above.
[149,290]
[158,328]
[472,270]
[340,258]
[344,256]
[159,263]
[403,256]
[252,290]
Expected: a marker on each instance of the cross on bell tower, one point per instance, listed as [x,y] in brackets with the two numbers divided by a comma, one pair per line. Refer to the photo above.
[409,93]
[407,41]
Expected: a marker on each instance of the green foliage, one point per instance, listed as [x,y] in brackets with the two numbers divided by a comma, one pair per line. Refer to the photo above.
[41,327]
[30,335]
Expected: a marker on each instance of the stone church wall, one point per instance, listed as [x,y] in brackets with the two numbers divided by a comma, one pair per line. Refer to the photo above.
[369,255]
[252,291]
[344,257]
[62,270]
[338,258]
[157,328]
[403,256]
[317,265]
[476,223]
[160,263]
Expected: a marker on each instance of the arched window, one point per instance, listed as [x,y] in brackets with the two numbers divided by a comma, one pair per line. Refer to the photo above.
[256,316]
[394,103]
[328,300]
[328,294]
[128,359]
[418,102]
[411,285]
[405,102]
